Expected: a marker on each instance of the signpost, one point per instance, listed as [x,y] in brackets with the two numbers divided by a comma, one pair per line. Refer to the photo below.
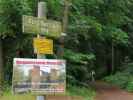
[41,14]
[54,75]
[34,25]
[43,46]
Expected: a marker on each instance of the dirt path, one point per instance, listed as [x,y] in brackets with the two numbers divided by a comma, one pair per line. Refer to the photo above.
[107,92]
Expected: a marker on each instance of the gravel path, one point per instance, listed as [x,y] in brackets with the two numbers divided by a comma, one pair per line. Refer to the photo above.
[107,92]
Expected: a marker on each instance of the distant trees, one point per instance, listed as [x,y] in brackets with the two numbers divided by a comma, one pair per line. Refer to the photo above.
[98,29]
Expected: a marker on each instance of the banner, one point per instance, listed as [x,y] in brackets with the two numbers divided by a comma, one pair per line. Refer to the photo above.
[41,76]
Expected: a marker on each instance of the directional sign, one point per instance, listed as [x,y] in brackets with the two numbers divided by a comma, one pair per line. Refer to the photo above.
[42,26]
[51,28]
[31,25]
[43,46]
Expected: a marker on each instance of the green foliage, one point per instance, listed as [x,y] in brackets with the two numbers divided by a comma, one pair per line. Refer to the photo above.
[130,86]
[11,12]
[78,57]
[55,9]
[116,35]
[29,7]
[9,17]
[78,63]
[10,96]
[86,92]
[12,47]
[119,79]
[123,79]
[93,26]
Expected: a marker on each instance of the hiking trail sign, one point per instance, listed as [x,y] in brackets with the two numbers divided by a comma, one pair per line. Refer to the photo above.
[43,46]
[35,25]
[39,76]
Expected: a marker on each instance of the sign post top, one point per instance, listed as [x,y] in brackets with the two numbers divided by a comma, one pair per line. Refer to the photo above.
[42,9]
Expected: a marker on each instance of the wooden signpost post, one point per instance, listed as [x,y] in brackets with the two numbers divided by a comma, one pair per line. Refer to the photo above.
[41,14]
[42,26]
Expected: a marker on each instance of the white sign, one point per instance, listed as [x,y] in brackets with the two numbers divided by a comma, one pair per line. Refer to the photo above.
[41,76]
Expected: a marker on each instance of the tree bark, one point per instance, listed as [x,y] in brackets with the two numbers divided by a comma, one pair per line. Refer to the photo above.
[60,49]
[112,57]
[1,64]
[66,12]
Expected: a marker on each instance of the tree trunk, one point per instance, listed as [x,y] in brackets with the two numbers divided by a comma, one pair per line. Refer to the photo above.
[60,50]
[1,65]
[66,12]
[112,57]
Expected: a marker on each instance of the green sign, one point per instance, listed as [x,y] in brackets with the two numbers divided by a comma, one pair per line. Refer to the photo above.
[42,26]
[31,24]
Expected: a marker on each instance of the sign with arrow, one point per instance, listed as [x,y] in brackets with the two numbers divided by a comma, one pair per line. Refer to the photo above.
[35,25]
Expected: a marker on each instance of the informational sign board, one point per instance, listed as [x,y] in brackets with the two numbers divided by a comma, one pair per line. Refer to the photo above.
[35,25]
[43,46]
[39,76]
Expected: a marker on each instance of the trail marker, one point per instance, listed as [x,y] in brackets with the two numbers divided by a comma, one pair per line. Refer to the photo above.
[43,46]
[35,25]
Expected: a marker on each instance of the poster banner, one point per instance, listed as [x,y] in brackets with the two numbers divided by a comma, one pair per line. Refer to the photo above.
[39,76]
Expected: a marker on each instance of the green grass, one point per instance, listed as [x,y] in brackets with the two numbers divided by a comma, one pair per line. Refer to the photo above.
[123,80]
[17,97]
[86,93]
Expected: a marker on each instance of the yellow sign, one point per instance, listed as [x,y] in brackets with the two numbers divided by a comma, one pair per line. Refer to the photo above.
[43,46]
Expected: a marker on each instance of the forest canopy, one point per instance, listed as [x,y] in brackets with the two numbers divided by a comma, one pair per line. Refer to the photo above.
[99,34]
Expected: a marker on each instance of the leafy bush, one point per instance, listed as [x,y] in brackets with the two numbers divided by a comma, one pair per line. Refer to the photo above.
[87,93]
[119,79]
[78,66]
[123,79]
[130,86]
[78,57]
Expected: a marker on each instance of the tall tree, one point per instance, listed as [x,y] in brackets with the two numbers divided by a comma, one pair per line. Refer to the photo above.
[1,65]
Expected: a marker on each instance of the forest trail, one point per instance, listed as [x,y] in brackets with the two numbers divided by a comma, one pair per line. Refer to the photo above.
[107,92]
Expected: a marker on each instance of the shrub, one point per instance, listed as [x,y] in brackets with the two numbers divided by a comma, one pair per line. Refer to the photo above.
[120,79]
[130,86]
[86,92]
[124,78]
[78,66]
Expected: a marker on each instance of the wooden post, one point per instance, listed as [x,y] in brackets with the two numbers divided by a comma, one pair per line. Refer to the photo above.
[41,14]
